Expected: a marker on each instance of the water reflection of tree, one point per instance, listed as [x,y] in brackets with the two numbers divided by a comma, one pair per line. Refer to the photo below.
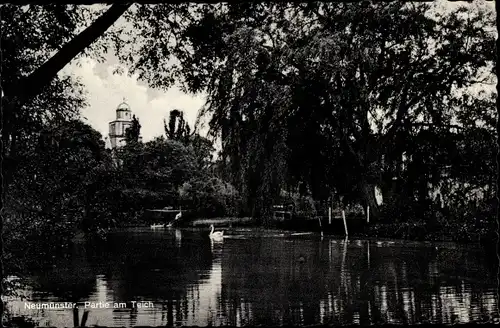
[151,267]
[400,284]
[70,279]
[275,275]
[202,301]
[412,281]
[279,280]
[65,279]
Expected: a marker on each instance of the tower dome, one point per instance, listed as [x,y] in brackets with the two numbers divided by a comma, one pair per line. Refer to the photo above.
[123,107]
[123,112]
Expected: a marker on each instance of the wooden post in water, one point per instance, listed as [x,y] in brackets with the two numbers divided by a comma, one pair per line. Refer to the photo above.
[368,253]
[320,226]
[345,223]
[368,214]
[329,215]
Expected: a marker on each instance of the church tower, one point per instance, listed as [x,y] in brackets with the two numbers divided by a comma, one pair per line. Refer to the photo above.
[118,127]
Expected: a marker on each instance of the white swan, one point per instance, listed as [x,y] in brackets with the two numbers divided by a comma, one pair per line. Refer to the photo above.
[215,234]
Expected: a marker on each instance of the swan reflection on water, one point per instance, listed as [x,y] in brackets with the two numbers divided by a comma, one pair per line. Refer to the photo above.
[216,240]
[178,237]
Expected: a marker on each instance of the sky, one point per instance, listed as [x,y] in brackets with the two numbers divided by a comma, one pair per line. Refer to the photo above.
[105,91]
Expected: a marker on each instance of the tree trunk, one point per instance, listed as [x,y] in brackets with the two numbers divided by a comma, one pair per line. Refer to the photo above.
[367,189]
[27,88]
[388,188]
[368,194]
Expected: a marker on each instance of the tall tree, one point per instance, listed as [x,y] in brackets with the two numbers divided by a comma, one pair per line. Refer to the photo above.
[177,128]
[133,133]
[56,182]
[378,70]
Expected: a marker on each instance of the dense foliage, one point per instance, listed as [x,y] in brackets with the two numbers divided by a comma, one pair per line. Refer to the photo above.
[331,100]
[319,102]
[68,182]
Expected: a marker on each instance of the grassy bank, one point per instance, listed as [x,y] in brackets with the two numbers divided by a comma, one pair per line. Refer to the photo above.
[224,222]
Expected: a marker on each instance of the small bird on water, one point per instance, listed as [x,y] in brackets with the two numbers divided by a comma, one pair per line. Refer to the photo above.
[177,217]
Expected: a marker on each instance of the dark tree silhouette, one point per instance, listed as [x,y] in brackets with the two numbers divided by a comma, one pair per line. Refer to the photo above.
[177,128]
[133,133]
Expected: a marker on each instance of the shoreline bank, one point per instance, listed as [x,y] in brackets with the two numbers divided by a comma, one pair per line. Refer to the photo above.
[357,228]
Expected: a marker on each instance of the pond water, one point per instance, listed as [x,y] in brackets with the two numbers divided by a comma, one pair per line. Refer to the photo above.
[262,277]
